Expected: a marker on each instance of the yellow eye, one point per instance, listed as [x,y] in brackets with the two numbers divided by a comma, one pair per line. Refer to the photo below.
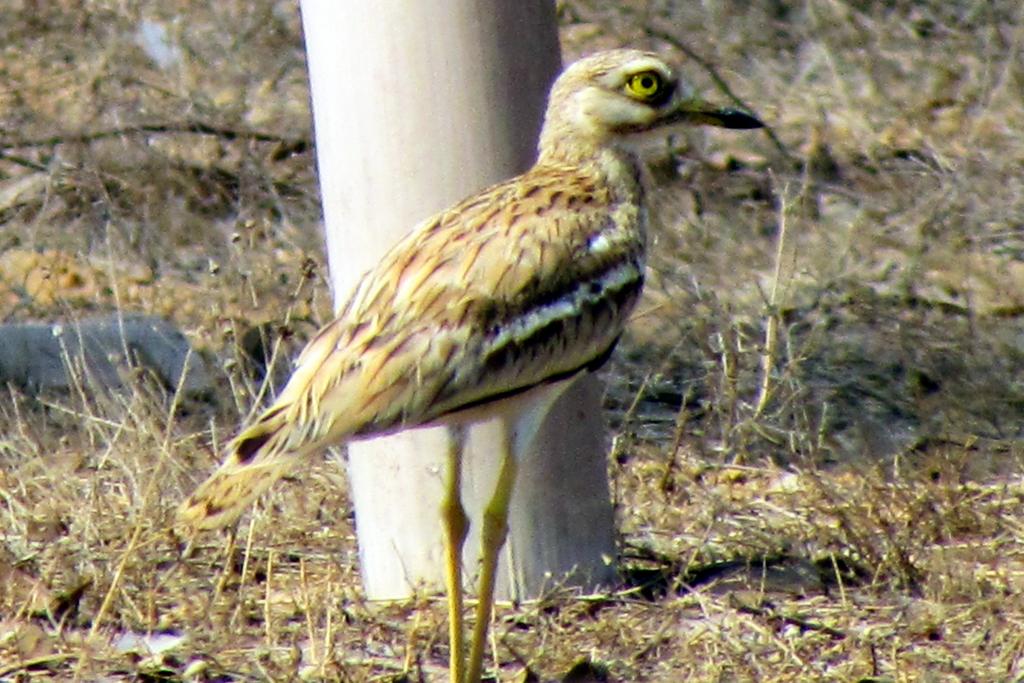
[646,85]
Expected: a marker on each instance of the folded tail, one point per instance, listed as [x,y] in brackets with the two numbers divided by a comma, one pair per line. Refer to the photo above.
[257,457]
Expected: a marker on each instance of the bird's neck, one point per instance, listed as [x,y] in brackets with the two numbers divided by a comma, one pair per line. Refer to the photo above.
[614,168]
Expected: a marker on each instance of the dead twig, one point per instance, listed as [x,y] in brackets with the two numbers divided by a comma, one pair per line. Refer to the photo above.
[288,147]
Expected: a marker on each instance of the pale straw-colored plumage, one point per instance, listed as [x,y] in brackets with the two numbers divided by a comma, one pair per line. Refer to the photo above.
[486,309]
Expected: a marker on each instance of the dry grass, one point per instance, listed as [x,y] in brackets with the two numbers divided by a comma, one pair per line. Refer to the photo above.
[817,460]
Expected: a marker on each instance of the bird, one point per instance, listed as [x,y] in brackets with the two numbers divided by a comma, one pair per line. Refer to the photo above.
[489,309]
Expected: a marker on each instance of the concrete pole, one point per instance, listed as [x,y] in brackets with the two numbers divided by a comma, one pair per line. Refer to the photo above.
[417,105]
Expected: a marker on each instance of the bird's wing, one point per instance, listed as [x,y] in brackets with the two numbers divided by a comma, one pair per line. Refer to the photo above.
[528,282]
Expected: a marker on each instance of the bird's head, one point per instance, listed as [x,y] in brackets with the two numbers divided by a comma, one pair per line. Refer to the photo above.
[610,99]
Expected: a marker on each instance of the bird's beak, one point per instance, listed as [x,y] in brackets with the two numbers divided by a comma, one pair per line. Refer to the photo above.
[700,113]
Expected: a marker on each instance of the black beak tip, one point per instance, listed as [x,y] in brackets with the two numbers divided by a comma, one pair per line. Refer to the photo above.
[739,120]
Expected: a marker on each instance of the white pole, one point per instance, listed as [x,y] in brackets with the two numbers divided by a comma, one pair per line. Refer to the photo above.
[417,105]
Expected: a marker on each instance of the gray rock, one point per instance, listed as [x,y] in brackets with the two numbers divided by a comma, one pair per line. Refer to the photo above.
[38,357]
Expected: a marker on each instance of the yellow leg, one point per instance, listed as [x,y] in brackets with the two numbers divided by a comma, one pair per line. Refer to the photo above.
[493,533]
[455,527]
